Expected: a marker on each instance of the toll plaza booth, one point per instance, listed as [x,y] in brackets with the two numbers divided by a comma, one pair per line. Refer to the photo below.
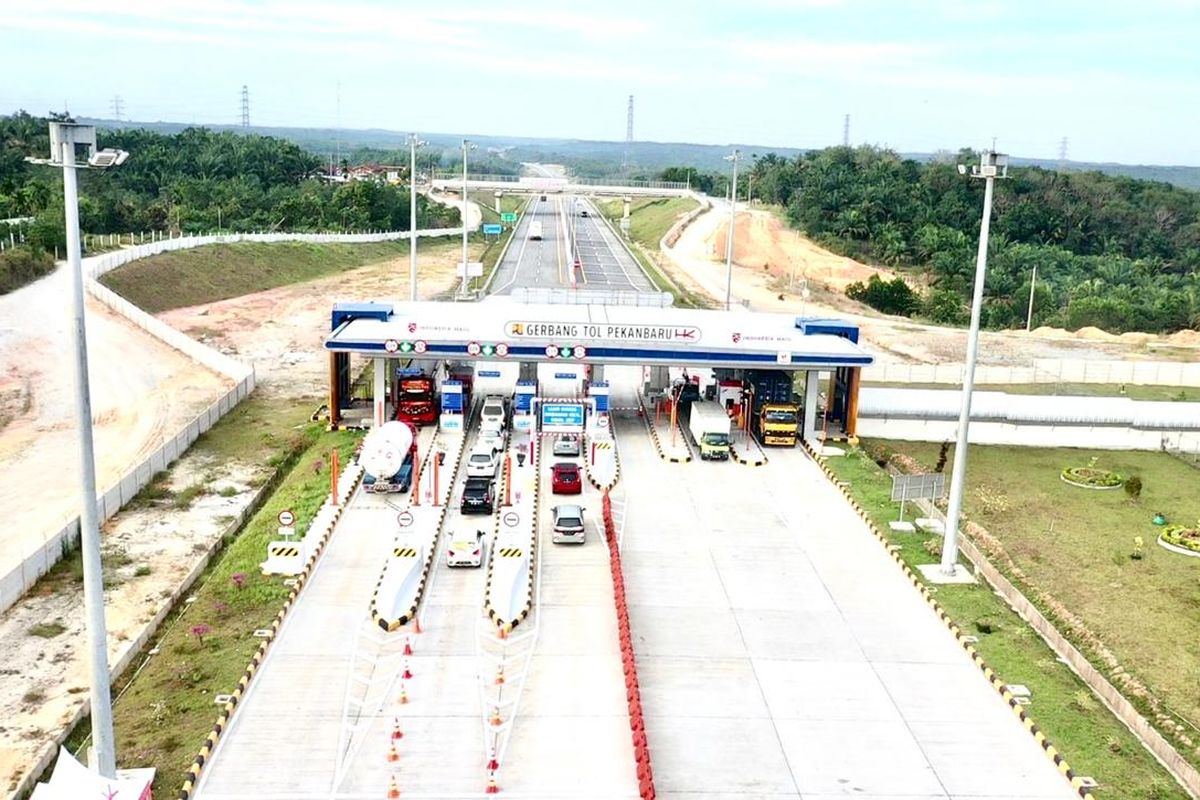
[564,348]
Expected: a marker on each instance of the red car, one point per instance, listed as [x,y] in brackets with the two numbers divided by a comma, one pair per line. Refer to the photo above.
[565,478]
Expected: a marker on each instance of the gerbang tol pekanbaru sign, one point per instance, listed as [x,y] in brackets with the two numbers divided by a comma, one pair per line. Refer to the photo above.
[604,331]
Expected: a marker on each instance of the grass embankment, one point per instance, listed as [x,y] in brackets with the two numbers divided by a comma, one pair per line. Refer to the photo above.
[1175,393]
[1093,741]
[217,272]
[23,265]
[165,709]
[649,221]
[1076,544]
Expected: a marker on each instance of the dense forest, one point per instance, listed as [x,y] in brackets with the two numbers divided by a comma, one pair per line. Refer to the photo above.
[194,180]
[1114,252]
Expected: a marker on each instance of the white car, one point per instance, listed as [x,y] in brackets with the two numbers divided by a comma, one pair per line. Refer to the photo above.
[568,525]
[464,551]
[495,413]
[491,439]
[567,446]
[482,463]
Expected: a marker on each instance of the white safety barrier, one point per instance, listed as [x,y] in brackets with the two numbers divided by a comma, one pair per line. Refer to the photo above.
[44,555]
[1043,370]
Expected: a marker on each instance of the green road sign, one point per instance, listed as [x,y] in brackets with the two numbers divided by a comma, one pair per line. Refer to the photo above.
[508,216]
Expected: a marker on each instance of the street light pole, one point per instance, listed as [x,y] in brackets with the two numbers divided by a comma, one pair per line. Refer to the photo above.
[1032,285]
[992,166]
[466,145]
[413,144]
[734,157]
[64,137]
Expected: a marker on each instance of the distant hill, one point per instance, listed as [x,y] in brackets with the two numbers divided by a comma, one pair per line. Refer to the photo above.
[599,158]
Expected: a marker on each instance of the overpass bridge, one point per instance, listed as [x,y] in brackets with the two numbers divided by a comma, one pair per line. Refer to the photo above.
[526,184]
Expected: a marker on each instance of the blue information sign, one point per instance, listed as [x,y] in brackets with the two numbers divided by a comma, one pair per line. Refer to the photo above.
[488,373]
[562,416]
[493,229]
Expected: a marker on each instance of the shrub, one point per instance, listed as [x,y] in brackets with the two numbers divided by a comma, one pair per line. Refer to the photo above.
[881,454]
[1091,476]
[933,546]
[1183,536]
[22,265]
[890,297]
[943,455]
[986,625]
[47,630]
[1133,487]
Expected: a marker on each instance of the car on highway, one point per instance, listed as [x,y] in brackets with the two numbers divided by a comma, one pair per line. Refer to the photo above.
[478,496]
[542,198]
[583,212]
[567,446]
[493,439]
[483,463]
[465,550]
[494,415]
[568,525]
[565,478]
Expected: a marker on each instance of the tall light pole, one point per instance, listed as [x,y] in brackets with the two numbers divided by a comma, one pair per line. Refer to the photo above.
[735,156]
[64,138]
[466,145]
[413,144]
[992,165]
[1032,285]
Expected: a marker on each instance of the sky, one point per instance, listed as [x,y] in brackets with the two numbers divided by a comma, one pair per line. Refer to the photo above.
[1120,81]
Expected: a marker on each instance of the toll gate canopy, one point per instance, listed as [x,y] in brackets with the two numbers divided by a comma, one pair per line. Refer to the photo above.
[595,334]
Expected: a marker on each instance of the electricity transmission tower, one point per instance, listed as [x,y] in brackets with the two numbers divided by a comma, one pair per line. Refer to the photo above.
[1062,153]
[245,106]
[116,107]
[846,131]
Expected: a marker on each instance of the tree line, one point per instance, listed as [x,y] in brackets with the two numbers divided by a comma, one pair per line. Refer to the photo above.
[195,180]
[1114,252]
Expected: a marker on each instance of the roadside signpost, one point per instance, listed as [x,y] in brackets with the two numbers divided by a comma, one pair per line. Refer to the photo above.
[493,229]
[915,487]
[508,216]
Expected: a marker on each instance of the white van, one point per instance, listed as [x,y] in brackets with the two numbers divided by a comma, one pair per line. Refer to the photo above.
[535,230]
[494,416]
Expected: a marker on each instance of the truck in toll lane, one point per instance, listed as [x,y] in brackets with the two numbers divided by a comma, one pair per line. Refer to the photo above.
[415,397]
[774,414]
[709,426]
[387,457]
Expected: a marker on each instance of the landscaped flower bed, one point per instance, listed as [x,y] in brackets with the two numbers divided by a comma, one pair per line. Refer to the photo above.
[1182,537]
[1092,478]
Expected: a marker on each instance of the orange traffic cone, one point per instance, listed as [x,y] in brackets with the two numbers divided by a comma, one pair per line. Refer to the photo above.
[393,789]
[393,755]
[492,788]
[396,732]
[416,624]
[493,764]
[499,674]
[408,645]
[495,718]
[503,632]
[403,698]
[407,674]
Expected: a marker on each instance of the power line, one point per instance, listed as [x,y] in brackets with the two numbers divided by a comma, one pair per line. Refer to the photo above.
[116,107]
[245,106]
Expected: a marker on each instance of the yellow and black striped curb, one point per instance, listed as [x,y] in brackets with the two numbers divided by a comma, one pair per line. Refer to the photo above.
[385,624]
[535,525]
[214,735]
[600,487]
[1000,686]
[747,461]
[657,444]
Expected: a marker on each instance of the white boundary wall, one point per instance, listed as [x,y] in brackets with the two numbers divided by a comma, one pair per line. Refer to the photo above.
[1102,437]
[43,556]
[1044,370]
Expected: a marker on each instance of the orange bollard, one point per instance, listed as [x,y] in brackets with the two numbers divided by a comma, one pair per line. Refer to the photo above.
[507,480]
[393,790]
[333,475]
[416,487]
[436,472]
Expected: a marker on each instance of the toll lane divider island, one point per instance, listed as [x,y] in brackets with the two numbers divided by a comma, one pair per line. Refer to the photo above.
[508,597]
[316,538]
[680,454]
[405,572]
[1077,782]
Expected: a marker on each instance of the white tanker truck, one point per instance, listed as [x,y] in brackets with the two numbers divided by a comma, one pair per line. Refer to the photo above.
[387,457]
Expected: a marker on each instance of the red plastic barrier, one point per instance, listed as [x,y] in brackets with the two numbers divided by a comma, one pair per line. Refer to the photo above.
[633,694]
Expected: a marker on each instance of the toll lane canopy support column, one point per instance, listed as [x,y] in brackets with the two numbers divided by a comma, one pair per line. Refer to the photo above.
[812,387]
